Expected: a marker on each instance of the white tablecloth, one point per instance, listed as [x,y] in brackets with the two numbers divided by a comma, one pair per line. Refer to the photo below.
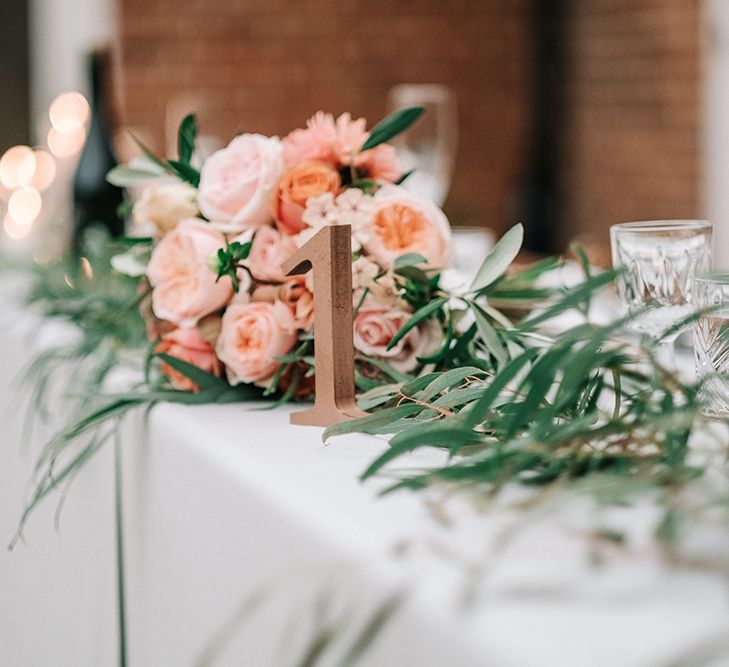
[246,538]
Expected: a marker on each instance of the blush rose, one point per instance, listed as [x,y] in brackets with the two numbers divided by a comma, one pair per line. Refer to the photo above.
[237,182]
[252,336]
[269,250]
[184,287]
[375,326]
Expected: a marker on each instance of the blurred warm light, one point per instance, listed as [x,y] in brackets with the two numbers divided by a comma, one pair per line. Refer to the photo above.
[24,205]
[69,112]
[66,144]
[14,229]
[17,167]
[45,170]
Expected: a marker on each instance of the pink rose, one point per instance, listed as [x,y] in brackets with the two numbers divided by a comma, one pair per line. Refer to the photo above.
[402,223]
[237,182]
[252,335]
[375,326]
[269,250]
[187,345]
[184,288]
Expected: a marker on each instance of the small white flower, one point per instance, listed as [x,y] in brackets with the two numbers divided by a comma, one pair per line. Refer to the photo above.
[320,211]
[364,272]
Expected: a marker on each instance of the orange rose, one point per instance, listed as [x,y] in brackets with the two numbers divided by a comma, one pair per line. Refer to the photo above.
[309,179]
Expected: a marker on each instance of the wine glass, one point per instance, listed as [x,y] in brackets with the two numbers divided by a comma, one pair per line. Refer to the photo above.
[711,341]
[429,146]
[660,258]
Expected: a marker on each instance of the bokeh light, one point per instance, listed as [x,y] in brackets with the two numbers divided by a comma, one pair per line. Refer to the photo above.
[14,229]
[66,144]
[69,112]
[24,205]
[17,167]
[45,170]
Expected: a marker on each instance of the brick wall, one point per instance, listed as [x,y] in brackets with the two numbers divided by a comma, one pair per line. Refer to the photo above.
[266,65]
[632,127]
[631,86]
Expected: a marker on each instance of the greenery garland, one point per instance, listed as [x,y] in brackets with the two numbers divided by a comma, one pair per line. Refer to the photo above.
[509,402]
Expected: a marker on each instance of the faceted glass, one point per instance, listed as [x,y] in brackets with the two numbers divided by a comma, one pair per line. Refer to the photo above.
[661,259]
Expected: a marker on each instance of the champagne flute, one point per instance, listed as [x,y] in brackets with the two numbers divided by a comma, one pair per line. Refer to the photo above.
[660,258]
[429,146]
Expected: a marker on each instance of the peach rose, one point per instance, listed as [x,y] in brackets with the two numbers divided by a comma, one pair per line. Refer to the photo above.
[403,223]
[375,326]
[269,250]
[184,288]
[296,296]
[187,345]
[237,182]
[252,335]
[309,179]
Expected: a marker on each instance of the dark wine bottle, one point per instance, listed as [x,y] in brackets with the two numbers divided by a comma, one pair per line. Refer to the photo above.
[95,200]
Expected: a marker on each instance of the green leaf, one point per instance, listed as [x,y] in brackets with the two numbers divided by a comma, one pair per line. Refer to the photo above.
[572,299]
[185,172]
[124,209]
[367,185]
[390,127]
[499,259]
[150,155]
[381,418]
[389,370]
[134,240]
[186,138]
[425,435]
[409,259]
[420,315]
[405,176]
[448,379]
[200,377]
[489,336]
[123,176]
[500,382]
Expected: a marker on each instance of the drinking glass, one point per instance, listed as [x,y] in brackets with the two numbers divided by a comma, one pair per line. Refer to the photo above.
[660,258]
[429,146]
[711,341]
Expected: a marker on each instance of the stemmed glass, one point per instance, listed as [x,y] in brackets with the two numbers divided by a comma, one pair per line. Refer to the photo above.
[429,146]
[660,258]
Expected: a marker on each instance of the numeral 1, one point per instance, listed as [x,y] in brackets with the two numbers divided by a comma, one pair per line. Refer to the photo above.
[329,254]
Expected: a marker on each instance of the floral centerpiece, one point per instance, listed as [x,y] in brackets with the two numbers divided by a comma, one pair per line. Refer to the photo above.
[217,238]
[508,373]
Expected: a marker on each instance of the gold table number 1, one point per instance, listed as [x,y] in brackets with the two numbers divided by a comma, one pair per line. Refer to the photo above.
[329,254]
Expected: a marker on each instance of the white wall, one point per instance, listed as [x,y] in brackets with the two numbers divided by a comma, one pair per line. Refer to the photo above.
[61,33]
[715,124]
